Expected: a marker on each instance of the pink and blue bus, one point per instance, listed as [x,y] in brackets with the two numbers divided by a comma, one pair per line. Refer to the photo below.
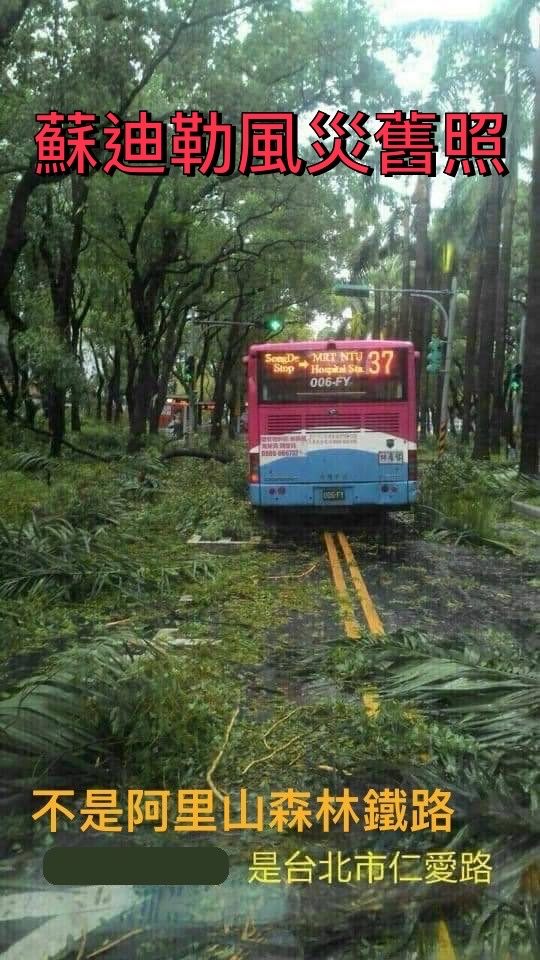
[332,424]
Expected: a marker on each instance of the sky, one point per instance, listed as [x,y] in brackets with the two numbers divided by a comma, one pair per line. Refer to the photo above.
[413,73]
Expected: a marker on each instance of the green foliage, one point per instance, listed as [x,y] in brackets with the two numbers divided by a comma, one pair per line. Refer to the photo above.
[114,703]
[88,507]
[47,354]
[52,722]
[20,494]
[140,487]
[137,711]
[31,462]
[235,476]
[483,689]
[104,438]
[215,513]
[169,715]
[457,497]
[47,556]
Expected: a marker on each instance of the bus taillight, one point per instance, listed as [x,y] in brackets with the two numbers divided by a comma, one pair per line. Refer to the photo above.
[254,468]
[413,469]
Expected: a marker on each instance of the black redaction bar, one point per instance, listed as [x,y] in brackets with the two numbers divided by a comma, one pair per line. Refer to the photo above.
[136,865]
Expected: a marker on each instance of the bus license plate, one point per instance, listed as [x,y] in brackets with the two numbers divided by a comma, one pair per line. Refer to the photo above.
[391,456]
[333,493]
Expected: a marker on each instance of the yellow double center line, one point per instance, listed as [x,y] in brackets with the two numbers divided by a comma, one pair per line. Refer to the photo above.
[370,697]
[352,628]
[444,949]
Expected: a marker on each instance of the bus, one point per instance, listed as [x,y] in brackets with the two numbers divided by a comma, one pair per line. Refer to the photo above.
[332,424]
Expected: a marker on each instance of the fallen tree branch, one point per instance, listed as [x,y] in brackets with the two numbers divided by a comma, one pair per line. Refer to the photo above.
[276,724]
[82,947]
[198,454]
[114,943]
[168,455]
[268,756]
[66,443]
[295,576]
[219,755]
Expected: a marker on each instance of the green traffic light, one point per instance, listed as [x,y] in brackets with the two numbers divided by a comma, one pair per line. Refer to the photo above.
[434,355]
[515,380]
[273,324]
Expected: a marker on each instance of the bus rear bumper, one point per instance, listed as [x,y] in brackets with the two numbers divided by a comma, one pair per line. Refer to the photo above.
[386,494]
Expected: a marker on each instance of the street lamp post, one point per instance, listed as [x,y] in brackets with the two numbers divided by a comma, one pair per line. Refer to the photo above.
[356,290]
[449,336]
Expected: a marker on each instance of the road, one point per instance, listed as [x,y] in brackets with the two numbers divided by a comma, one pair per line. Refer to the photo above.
[371,580]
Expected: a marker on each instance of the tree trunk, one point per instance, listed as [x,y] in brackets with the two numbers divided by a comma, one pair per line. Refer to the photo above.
[75,413]
[403,331]
[61,269]
[56,409]
[224,370]
[168,355]
[216,425]
[109,405]
[488,304]
[99,397]
[234,406]
[12,393]
[15,235]
[377,315]
[421,199]
[501,313]
[130,377]
[470,346]
[531,361]
[113,387]
[144,389]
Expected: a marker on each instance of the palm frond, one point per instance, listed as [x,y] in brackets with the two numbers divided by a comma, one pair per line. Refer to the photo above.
[30,462]
[49,727]
[51,556]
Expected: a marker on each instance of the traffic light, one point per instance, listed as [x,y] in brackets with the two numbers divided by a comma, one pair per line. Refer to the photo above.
[189,369]
[273,324]
[515,378]
[351,290]
[434,355]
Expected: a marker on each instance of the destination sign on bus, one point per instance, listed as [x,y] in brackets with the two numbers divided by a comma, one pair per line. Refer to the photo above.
[362,375]
[333,365]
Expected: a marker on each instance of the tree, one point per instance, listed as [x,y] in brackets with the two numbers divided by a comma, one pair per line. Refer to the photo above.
[486,318]
[531,394]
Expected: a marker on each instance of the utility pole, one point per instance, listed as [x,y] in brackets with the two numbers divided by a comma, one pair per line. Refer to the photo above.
[449,337]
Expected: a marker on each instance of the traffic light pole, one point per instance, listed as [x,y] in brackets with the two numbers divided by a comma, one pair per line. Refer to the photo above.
[449,337]
[356,290]
[191,426]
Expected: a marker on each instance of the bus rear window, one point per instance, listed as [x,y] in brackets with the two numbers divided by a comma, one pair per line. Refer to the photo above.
[363,376]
